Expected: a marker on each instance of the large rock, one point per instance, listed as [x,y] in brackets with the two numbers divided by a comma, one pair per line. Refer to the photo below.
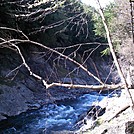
[130,76]
[129,127]
[87,119]
[13,100]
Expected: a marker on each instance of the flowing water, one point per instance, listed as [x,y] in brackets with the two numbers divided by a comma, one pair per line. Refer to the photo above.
[56,117]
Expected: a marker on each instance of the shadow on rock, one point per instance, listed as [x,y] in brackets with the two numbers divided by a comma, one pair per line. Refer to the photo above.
[87,119]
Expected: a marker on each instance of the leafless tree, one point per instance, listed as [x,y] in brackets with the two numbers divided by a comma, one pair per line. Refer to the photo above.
[123,79]
[33,11]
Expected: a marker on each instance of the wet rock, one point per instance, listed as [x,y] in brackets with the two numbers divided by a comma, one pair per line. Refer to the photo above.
[66,80]
[2,117]
[94,112]
[63,132]
[129,127]
[73,80]
[79,81]
[116,125]
[34,106]
[104,131]
[13,100]
[20,97]
[87,119]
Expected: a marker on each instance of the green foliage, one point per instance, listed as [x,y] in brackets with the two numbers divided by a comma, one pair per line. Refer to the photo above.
[74,25]
[53,23]
[105,51]
[109,15]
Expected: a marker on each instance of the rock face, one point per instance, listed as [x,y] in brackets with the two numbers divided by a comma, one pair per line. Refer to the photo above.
[118,118]
[127,61]
[20,92]
[130,77]
[13,100]
[129,127]
[87,119]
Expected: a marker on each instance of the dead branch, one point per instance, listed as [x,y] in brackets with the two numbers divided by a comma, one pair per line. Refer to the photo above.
[123,79]
[15,30]
[43,46]
[104,87]
[55,24]
[94,87]
[17,68]
[82,44]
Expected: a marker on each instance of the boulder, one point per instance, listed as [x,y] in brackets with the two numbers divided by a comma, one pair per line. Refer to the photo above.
[87,119]
[13,100]
[129,127]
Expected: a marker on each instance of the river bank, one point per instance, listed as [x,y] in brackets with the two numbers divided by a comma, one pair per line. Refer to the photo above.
[119,116]
[20,92]
[117,119]
[25,93]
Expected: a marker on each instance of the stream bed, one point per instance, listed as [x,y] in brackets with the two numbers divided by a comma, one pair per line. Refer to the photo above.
[52,117]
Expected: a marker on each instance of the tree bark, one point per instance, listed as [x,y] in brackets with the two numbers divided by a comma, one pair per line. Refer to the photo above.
[123,79]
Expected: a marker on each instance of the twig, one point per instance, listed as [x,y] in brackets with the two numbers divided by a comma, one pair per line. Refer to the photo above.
[14,70]
[43,46]
[95,87]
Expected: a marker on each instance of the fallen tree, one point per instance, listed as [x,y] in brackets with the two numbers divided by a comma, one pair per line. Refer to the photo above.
[12,43]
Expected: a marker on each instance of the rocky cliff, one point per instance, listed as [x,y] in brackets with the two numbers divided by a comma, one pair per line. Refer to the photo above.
[20,92]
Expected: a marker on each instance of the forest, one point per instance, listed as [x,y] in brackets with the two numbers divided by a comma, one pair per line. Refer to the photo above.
[66,67]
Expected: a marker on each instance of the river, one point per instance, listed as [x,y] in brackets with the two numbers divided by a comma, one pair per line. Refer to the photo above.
[52,117]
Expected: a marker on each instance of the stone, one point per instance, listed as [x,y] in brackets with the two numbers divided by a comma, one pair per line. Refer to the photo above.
[87,119]
[2,117]
[129,127]
[130,77]
[13,100]
[34,106]
[63,132]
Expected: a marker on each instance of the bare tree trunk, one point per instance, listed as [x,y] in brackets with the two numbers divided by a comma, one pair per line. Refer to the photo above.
[123,79]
